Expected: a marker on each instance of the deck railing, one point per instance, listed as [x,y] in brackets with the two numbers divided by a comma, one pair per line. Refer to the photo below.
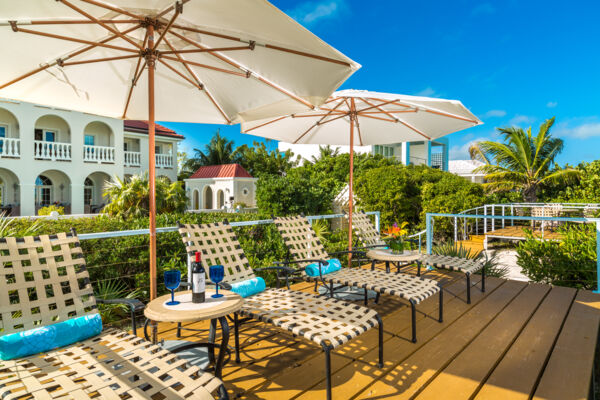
[164,161]
[52,150]
[133,158]
[99,154]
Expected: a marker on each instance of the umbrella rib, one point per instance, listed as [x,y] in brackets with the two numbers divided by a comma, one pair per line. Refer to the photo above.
[136,76]
[115,9]
[207,50]
[178,10]
[413,128]
[193,74]
[266,123]
[67,57]
[170,8]
[196,85]
[71,39]
[207,66]
[248,71]
[65,64]
[435,111]
[78,21]
[102,24]
[379,118]
[380,109]
[320,121]
[353,109]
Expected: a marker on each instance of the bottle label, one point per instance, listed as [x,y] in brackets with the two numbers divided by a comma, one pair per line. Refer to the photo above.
[198,283]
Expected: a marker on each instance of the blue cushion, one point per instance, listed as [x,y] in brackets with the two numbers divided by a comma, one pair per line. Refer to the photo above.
[249,287]
[44,338]
[313,269]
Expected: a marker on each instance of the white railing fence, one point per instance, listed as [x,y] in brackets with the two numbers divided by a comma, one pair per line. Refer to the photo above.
[164,161]
[99,154]
[52,150]
[10,147]
[133,158]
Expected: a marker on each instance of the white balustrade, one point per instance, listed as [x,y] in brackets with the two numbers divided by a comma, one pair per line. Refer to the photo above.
[99,154]
[164,161]
[52,150]
[10,147]
[133,158]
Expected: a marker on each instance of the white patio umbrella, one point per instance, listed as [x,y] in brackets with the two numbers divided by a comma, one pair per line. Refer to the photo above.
[208,61]
[361,117]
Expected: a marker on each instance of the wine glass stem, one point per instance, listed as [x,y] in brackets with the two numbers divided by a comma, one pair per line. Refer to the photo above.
[173,295]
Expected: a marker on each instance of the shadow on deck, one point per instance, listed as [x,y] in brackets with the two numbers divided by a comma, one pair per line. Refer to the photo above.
[515,341]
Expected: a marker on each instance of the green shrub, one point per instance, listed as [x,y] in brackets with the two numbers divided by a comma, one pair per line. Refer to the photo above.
[48,209]
[492,268]
[570,262]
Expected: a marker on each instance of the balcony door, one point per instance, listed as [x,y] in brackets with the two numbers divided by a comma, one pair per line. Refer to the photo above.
[43,191]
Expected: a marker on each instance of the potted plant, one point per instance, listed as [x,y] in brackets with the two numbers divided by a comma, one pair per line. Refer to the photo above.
[395,237]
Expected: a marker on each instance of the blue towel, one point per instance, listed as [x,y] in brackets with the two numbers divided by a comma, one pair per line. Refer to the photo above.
[249,287]
[44,338]
[333,265]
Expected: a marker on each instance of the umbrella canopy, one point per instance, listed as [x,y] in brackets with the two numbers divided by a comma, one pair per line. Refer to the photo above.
[361,117]
[210,61]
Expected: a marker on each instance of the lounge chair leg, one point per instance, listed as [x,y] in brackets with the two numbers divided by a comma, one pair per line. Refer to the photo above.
[377,298]
[441,318]
[373,265]
[133,325]
[331,290]
[418,268]
[387,267]
[223,348]
[483,279]
[328,369]
[236,330]
[223,395]
[468,288]
[178,329]
[380,365]
[366,296]
[212,333]
[413,317]
[316,286]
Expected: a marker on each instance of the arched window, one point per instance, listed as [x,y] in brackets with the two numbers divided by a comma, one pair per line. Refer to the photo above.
[43,190]
[220,199]
[208,198]
[196,201]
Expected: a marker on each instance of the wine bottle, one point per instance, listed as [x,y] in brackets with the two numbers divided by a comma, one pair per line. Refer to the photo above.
[198,280]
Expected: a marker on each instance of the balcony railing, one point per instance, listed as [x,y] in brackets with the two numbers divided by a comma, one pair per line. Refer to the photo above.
[99,154]
[164,161]
[133,158]
[52,150]
[10,147]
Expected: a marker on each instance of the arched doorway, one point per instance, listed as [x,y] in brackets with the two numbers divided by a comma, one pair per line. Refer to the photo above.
[196,200]
[98,143]
[9,193]
[10,144]
[93,192]
[53,187]
[52,139]
[220,199]
[208,198]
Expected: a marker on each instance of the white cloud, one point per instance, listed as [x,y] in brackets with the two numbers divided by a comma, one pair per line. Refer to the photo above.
[428,92]
[483,9]
[521,120]
[494,113]
[580,128]
[308,13]
[551,104]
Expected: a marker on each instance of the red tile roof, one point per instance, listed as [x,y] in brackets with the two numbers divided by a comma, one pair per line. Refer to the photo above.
[142,127]
[221,171]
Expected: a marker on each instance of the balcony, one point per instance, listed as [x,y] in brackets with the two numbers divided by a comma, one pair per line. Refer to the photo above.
[10,147]
[99,154]
[133,159]
[52,151]
[164,161]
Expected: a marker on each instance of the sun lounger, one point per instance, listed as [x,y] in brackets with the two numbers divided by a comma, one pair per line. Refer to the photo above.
[44,283]
[327,322]
[306,249]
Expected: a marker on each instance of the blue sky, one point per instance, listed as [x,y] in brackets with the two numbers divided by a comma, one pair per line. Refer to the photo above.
[511,62]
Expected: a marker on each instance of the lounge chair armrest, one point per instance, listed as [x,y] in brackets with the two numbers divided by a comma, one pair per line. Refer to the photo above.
[133,304]
[359,253]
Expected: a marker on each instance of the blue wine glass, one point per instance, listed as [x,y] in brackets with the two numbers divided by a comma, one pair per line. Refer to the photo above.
[216,273]
[172,281]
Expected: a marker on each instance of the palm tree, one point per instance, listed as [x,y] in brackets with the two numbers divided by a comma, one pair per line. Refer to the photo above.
[218,151]
[130,198]
[523,162]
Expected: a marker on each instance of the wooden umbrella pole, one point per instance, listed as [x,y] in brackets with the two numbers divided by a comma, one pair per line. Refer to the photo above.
[150,61]
[350,184]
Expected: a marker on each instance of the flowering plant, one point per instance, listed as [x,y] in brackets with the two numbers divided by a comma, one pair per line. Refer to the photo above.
[395,236]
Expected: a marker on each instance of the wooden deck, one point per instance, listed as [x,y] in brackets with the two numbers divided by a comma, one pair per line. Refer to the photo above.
[515,341]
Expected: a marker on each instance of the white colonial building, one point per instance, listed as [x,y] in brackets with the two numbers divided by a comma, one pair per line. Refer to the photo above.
[466,169]
[432,153]
[215,187]
[55,156]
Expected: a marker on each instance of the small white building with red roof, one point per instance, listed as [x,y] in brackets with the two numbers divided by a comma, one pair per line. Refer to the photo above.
[215,187]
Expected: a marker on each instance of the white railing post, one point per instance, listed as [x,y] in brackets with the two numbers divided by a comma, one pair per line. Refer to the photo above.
[503,216]
[512,213]
[485,219]
[493,219]
[455,229]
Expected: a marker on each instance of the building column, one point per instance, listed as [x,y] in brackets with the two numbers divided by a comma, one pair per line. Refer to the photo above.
[428,144]
[27,202]
[405,153]
[445,157]
[77,206]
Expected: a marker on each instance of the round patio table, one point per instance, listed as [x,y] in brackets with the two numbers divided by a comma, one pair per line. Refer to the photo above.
[398,259]
[215,310]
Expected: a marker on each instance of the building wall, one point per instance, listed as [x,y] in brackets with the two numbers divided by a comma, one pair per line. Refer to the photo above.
[22,120]
[242,189]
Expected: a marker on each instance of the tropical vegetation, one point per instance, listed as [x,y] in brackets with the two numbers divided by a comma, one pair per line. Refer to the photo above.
[523,162]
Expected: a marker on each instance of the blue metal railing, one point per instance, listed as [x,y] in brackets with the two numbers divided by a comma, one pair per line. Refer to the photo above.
[430,216]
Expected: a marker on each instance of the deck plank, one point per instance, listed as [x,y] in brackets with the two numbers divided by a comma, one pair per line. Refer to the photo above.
[407,378]
[518,371]
[573,355]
